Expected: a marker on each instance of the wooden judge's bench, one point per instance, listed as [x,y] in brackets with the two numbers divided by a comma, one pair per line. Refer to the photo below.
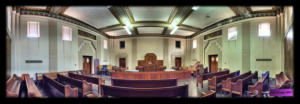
[150,64]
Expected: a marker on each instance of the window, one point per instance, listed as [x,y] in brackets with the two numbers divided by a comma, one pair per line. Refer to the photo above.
[195,43]
[264,30]
[105,44]
[232,33]
[177,44]
[8,10]
[122,44]
[33,29]
[66,33]
[290,34]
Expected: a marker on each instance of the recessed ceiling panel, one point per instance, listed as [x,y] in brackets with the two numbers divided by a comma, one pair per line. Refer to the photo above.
[36,7]
[207,15]
[150,30]
[261,8]
[96,16]
[147,13]
[117,32]
[183,32]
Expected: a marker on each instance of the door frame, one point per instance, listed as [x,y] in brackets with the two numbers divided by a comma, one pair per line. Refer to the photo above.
[180,61]
[124,60]
[91,63]
[209,61]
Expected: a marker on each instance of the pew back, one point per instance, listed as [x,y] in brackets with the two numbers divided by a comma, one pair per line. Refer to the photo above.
[116,91]
[143,83]
[85,88]
[65,89]
[32,90]
[13,85]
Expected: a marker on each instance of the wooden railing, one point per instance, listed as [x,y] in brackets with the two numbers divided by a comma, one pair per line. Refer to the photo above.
[152,75]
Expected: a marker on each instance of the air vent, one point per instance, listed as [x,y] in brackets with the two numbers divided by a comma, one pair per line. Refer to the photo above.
[263,59]
[33,61]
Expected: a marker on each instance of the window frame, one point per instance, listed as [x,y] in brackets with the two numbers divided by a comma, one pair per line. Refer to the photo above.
[70,31]
[28,29]
[123,43]
[105,44]
[194,43]
[176,44]
[259,30]
[230,35]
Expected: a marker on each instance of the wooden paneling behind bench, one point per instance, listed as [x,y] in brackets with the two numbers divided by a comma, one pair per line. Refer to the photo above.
[143,83]
[32,90]
[152,75]
[202,77]
[13,85]
[85,88]
[94,80]
[66,90]
[116,91]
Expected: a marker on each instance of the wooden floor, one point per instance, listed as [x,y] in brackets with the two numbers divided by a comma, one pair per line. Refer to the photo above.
[194,91]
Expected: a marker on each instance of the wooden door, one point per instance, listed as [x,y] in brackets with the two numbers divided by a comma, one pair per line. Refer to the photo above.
[178,61]
[122,62]
[213,63]
[87,66]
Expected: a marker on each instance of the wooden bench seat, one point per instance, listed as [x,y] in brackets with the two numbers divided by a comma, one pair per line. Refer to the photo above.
[13,85]
[57,89]
[210,94]
[84,88]
[226,84]
[212,82]
[117,91]
[202,77]
[32,90]
[241,85]
[144,83]
[282,81]
[257,88]
[94,80]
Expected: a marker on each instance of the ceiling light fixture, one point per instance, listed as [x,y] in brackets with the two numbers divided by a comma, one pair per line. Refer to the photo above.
[127,30]
[173,31]
[195,7]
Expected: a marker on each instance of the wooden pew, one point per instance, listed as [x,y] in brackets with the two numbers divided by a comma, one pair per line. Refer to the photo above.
[52,75]
[241,85]
[282,81]
[32,90]
[85,88]
[13,85]
[94,80]
[143,83]
[116,91]
[210,94]
[212,82]
[66,90]
[226,84]
[202,77]
[257,88]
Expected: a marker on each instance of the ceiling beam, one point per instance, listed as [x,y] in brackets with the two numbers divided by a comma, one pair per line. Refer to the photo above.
[240,10]
[58,9]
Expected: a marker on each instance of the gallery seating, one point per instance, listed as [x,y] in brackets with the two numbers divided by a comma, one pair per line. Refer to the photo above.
[117,91]
[143,83]
[226,84]
[202,77]
[32,90]
[95,80]
[257,89]
[57,89]
[241,85]
[213,82]
[13,85]
[152,75]
[209,94]
[84,88]
[282,81]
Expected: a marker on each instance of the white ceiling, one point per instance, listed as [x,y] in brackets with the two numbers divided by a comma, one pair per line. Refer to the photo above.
[98,16]
[157,13]
[183,32]
[37,7]
[117,32]
[198,18]
[149,30]
[259,8]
